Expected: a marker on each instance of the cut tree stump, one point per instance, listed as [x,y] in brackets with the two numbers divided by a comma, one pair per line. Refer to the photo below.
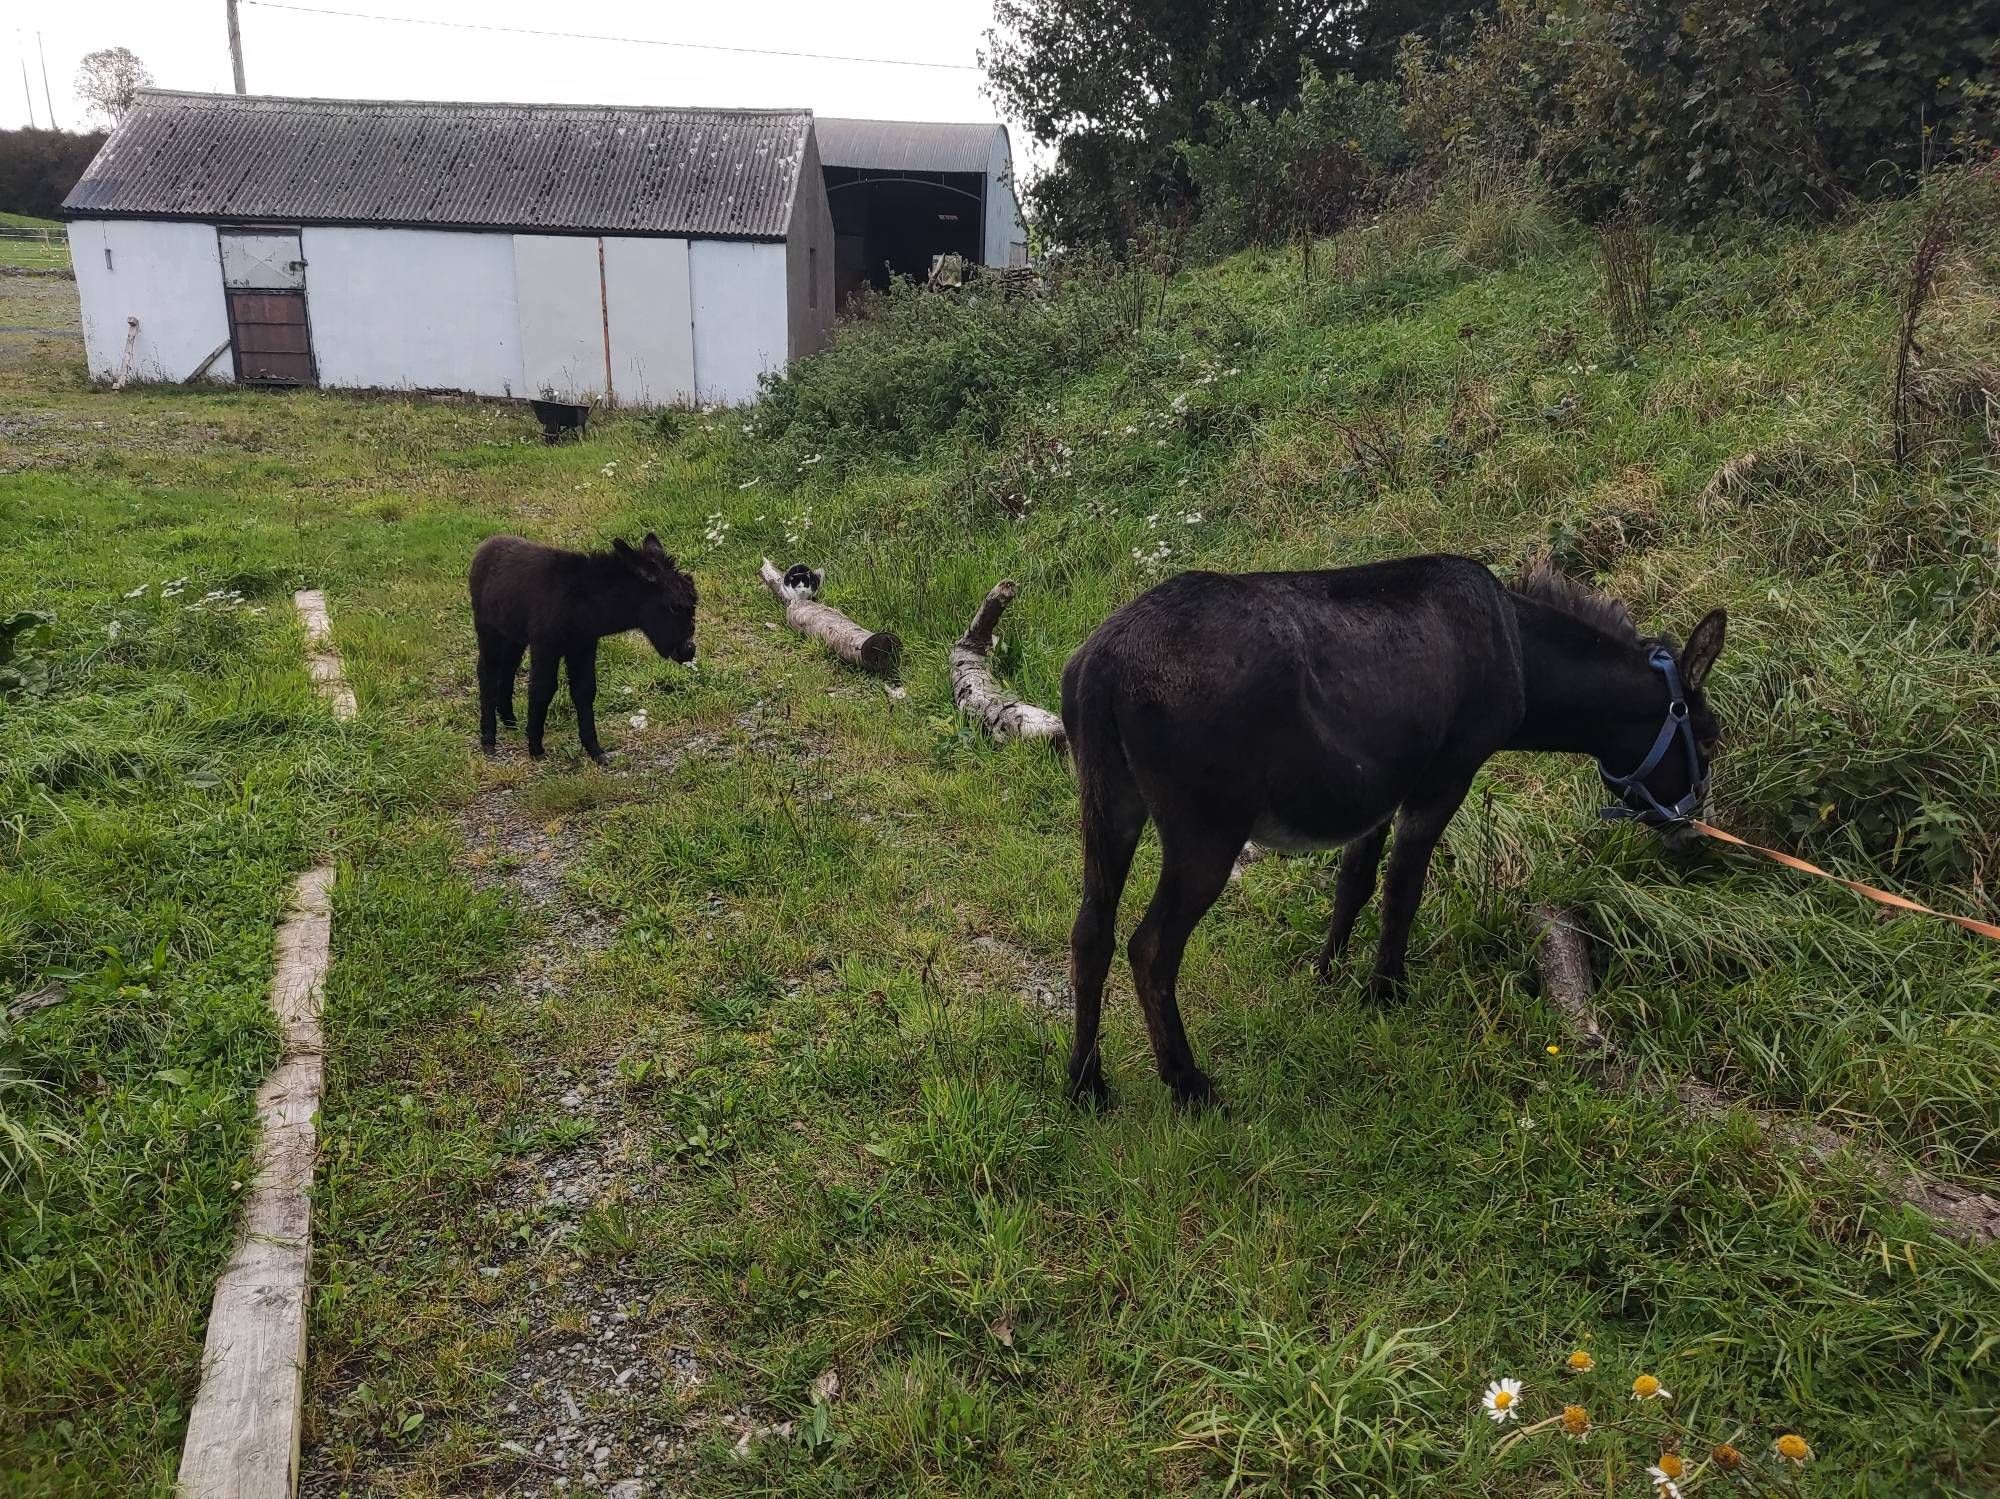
[974,690]
[878,651]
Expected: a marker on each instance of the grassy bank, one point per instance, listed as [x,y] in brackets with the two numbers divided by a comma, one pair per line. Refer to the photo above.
[744,1058]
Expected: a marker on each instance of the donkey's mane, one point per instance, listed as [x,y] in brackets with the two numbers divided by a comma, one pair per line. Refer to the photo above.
[1546,583]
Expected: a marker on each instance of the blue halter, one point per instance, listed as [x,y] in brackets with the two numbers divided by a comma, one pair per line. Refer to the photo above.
[1639,802]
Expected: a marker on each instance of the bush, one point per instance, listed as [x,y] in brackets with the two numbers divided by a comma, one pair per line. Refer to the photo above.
[919,366]
[1681,109]
[1308,169]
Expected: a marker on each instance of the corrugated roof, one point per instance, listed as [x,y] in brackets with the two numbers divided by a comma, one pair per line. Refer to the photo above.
[705,173]
[906,145]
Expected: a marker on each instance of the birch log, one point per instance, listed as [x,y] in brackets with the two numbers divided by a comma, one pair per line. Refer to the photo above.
[873,650]
[973,688]
[1563,961]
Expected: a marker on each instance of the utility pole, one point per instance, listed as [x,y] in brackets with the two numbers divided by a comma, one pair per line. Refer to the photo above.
[235,47]
[47,97]
[26,92]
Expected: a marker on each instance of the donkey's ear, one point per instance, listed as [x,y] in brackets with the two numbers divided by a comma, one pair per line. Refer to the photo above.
[1703,646]
[635,560]
[658,553]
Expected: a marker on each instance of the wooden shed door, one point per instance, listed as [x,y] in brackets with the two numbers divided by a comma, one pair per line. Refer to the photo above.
[264,280]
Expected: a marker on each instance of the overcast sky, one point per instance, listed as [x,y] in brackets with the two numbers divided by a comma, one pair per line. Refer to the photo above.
[287,51]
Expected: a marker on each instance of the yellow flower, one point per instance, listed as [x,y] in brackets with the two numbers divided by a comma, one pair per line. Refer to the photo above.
[1502,1400]
[1580,1362]
[1669,1465]
[1792,1448]
[1553,1050]
[1726,1457]
[1575,1422]
[1645,1387]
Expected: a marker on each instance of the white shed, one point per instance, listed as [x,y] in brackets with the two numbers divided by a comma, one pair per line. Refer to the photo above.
[904,191]
[638,256]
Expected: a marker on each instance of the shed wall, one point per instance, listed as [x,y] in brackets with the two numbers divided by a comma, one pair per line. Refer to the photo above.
[1006,234]
[739,295]
[652,321]
[809,254]
[562,316]
[418,309]
[168,276]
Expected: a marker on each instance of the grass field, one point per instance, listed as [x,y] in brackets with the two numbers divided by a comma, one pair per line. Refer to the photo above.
[657,1095]
[49,252]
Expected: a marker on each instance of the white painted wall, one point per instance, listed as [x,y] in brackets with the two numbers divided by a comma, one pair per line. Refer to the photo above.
[167,275]
[415,309]
[740,330]
[561,300]
[809,248]
[652,321]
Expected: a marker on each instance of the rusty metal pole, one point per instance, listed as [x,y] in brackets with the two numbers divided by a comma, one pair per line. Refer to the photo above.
[235,47]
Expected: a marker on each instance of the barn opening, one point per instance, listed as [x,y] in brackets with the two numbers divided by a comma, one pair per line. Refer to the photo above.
[904,192]
[894,225]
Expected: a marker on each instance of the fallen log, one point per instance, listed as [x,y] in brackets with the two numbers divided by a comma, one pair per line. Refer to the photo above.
[873,650]
[974,690]
[1563,962]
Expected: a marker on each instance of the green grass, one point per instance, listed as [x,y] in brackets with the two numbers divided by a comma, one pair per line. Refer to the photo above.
[799,934]
[49,252]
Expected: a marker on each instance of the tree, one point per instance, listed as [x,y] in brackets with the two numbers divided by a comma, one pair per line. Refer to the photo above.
[108,78]
[1116,83]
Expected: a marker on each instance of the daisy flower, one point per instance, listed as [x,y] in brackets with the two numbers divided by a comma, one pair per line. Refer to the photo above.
[1575,1422]
[1793,1449]
[1664,1473]
[1726,1457]
[1502,1400]
[1646,1387]
[1580,1362]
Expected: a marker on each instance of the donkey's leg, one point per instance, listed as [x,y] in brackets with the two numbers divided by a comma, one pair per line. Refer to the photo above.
[1194,868]
[1353,886]
[490,647]
[542,663]
[1113,817]
[582,664]
[508,668]
[1418,827]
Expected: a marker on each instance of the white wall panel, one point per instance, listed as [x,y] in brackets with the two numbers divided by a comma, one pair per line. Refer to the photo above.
[168,276]
[652,321]
[414,309]
[739,294]
[561,300]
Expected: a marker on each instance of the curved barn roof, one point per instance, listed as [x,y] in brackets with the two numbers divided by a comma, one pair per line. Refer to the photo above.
[700,173]
[907,145]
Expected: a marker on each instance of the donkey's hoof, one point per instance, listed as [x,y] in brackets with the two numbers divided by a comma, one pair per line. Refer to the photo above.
[489,748]
[1323,970]
[599,758]
[507,721]
[1088,1089]
[1194,1092]
[1388,988]
[535,752]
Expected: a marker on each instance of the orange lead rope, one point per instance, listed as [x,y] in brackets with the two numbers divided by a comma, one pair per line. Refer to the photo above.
[1880,897]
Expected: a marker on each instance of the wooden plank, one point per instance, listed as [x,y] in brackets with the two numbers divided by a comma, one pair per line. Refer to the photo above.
[267,307]
[279,369]
[272,338]
[322,660]
[243,1433]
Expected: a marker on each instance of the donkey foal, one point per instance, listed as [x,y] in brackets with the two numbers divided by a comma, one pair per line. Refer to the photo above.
[554,606]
